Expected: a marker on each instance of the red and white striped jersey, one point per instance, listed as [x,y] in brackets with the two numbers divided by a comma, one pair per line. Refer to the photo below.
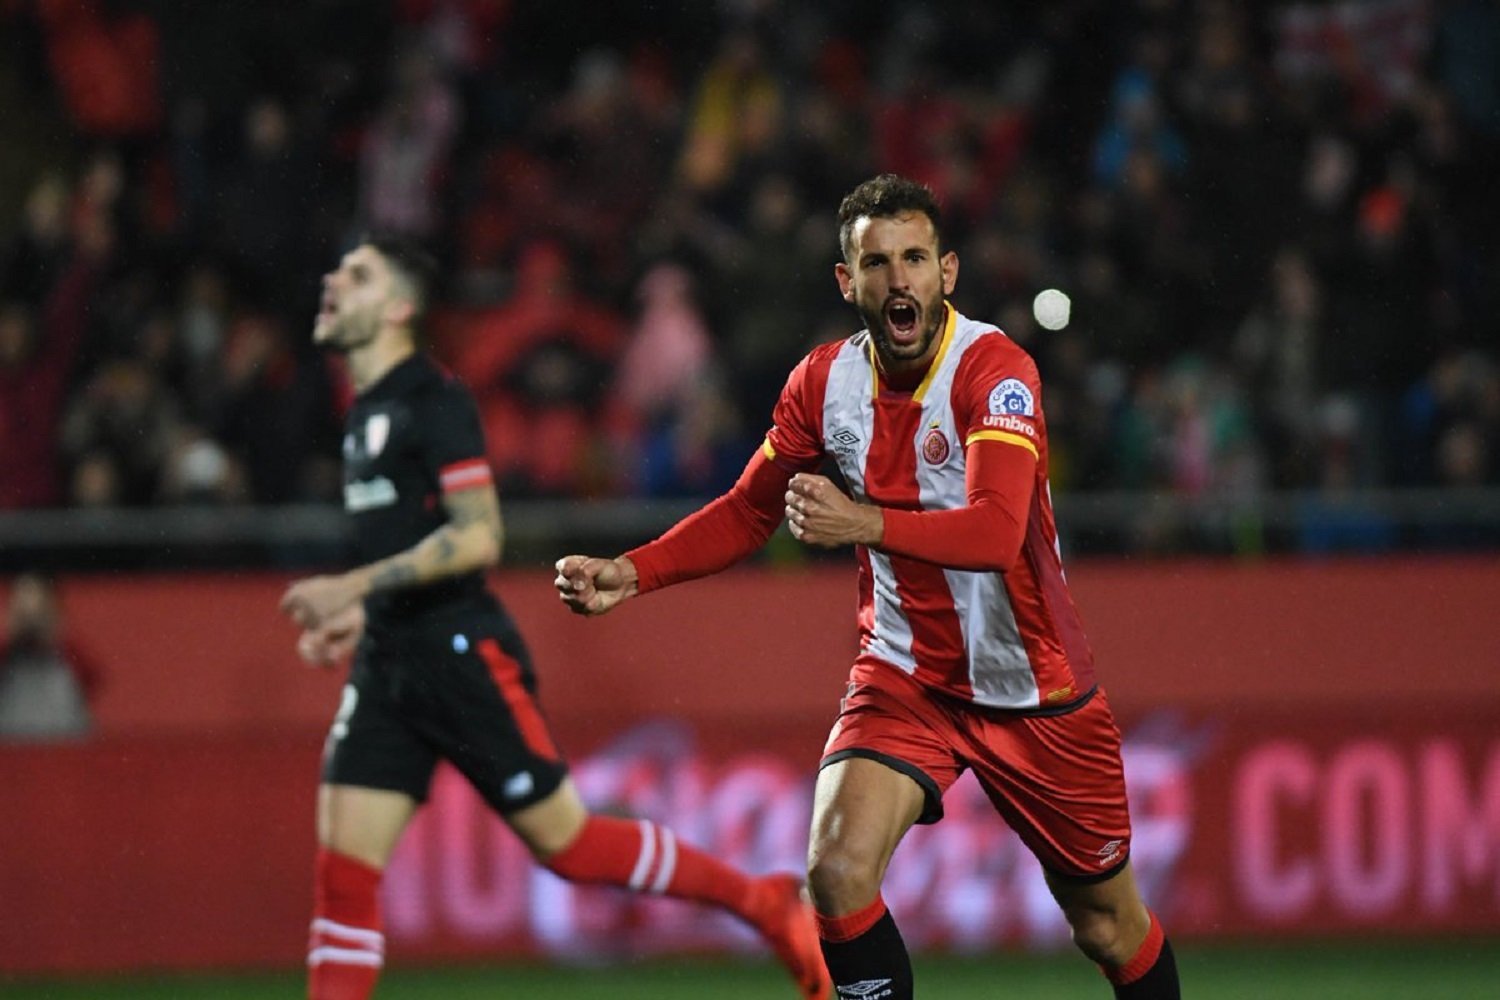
[1008,640]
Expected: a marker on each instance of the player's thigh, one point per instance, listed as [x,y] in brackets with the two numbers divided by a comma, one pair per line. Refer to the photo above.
[363,823]
[1118,895]
[478,709]
[553,823]
[376,767]
[861,810]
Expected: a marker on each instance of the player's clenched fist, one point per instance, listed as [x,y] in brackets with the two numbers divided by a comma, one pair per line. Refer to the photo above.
[589,585]
[818,513]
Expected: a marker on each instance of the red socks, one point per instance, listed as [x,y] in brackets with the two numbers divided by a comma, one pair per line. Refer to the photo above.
[1145,957]
[346,947]
[644,857]
[1151,973]
[851,925]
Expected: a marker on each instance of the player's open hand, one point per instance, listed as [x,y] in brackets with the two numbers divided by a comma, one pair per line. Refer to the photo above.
[819,513]
[334,640]
[589,585]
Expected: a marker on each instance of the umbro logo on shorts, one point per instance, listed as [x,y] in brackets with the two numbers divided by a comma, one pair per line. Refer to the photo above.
[866,989]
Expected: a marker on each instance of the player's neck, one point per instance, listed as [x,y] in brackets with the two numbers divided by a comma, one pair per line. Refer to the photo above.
[370,363]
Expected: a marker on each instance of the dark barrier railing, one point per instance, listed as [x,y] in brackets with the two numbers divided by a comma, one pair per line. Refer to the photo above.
[538,530]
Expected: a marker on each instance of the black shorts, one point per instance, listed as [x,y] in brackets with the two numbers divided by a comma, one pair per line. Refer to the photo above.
[460,689]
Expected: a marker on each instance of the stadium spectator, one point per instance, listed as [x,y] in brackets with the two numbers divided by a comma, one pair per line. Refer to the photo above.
[540,365]
[47,681]
[37,355]
[277,413]
[972,653]
[106,63]
[440,670]
[669,408]
[404,159]
[127,411]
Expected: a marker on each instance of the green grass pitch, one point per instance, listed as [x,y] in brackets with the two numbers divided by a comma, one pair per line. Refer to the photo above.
[1378,970]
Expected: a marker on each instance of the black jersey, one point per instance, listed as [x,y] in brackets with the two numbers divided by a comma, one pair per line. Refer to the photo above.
[406,438]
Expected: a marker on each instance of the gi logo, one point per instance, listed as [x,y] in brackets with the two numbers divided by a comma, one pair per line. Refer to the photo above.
[935,447]
[378,429]
[1012,396]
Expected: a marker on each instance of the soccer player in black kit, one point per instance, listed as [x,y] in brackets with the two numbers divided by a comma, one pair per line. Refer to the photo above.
[440,671]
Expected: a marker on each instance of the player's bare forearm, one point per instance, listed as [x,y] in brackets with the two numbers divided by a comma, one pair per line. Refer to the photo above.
[469,541]
[819,513]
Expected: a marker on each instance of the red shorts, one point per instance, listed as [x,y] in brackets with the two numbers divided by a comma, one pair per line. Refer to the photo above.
[1057,780]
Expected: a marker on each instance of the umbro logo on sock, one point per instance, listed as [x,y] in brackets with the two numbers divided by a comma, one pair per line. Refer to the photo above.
[866,989]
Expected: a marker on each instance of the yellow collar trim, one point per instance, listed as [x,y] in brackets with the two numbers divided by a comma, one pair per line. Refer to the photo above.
[949,324]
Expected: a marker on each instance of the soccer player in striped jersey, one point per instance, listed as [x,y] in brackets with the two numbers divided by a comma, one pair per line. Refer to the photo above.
[972,655]
[440,670]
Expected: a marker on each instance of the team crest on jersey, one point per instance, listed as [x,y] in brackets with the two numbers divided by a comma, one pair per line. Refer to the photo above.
[377,432]
[935,447]
[1012,396]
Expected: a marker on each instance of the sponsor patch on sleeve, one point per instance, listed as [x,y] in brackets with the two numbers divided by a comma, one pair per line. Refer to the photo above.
[1012,397]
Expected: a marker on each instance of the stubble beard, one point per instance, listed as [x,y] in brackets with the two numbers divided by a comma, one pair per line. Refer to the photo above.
[929,319]
[342,335]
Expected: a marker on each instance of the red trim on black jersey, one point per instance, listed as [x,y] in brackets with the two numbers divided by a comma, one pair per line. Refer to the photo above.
[465,475]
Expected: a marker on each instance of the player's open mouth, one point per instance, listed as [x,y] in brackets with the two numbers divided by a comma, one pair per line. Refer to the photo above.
[901,317]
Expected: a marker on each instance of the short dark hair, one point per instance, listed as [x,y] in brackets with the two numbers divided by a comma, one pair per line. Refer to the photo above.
[883,197]
[413,263]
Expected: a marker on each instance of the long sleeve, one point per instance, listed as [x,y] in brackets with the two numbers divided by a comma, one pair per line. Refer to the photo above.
[721,533]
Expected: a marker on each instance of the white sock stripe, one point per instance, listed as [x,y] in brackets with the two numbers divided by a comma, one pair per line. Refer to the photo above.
[668,865]
[647,855]
[347,934]
[344,956]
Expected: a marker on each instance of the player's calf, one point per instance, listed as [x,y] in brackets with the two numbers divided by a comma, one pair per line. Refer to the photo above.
[346,946]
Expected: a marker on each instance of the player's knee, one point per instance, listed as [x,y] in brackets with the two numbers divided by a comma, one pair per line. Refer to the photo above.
[842,877]
[1101,936]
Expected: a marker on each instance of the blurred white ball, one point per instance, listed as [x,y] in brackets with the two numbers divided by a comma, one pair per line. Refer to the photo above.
[1051,309]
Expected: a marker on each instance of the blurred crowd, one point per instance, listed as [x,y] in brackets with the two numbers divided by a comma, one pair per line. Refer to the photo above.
[1274,223]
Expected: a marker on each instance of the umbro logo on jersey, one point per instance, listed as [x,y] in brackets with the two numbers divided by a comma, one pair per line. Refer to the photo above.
[844,441]
[866,989]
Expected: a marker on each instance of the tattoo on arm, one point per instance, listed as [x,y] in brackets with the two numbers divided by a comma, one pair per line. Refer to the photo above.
[394,575]
[449,550]
[474,507]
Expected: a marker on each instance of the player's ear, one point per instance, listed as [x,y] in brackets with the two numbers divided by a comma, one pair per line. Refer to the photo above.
[400,310]
[845,279]
[949,263]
